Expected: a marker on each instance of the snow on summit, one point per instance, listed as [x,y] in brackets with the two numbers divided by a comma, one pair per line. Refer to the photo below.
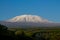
[27,18]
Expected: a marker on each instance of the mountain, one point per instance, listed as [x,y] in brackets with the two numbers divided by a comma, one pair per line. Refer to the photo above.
[28,20]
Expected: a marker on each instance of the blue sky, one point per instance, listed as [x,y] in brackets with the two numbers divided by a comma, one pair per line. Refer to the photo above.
[48,9]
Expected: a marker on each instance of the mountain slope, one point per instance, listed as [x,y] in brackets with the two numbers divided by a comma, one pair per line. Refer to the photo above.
[28,20]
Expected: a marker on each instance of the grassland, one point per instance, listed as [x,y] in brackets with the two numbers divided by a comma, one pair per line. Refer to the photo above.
[49,33]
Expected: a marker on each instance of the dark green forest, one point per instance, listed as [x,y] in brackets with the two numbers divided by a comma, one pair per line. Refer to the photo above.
[29,33]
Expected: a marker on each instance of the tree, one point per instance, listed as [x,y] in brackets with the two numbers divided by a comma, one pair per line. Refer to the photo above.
[37,36]
[6,34]
[3,28]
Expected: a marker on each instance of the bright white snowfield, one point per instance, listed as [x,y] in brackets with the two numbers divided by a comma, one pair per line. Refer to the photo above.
[28,18]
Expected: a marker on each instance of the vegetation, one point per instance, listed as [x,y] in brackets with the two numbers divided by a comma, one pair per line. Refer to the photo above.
[29,33]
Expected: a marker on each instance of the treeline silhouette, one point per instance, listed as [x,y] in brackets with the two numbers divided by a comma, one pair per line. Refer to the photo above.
[6,34]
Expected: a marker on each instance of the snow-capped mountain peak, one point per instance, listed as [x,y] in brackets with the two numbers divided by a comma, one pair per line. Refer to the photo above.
[28,18]
[24,21]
